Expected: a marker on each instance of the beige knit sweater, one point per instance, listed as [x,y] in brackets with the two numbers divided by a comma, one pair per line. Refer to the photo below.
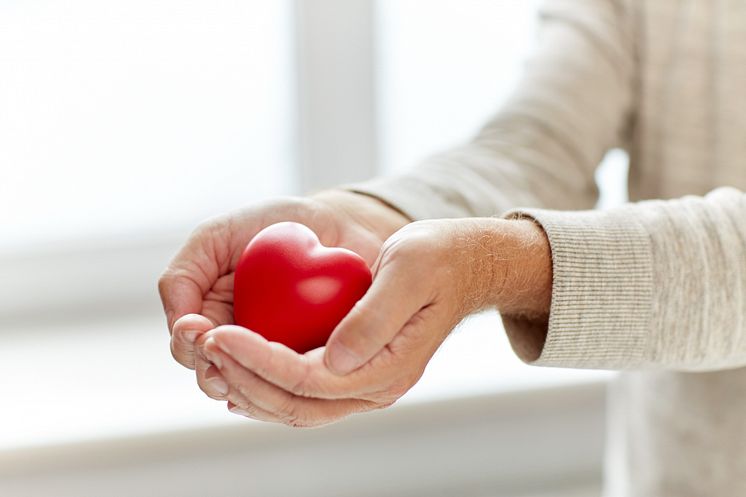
[656,286]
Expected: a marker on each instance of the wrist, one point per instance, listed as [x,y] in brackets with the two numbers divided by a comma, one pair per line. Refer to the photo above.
[528,290]
[515,266]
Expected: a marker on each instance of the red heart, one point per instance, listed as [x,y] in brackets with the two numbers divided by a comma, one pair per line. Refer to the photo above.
[291,289]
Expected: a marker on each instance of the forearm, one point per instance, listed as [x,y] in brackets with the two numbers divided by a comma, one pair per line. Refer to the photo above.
[515,262]
[511,271]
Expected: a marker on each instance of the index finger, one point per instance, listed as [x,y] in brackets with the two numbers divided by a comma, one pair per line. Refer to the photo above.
[180,296]
[303,375]
[193,271]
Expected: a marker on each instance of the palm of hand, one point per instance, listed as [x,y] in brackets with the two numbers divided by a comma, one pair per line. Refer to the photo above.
[402,320]
[197,288]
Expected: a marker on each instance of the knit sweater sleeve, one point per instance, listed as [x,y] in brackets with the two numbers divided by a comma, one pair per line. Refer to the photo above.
[657,284]
[542,147]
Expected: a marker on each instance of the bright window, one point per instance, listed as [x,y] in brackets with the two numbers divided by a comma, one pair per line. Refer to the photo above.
[121,121]
[138,116]
[444,72]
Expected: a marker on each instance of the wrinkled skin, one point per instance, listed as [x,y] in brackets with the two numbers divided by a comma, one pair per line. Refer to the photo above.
[428,275]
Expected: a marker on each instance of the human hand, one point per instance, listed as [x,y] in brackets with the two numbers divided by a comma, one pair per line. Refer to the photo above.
[429,275]
[197,287]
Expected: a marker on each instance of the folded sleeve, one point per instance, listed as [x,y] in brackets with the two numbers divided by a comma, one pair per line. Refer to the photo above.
[657,284]
[542,147]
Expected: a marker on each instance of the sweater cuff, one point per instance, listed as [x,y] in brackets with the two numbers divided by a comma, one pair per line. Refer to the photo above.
[601,291]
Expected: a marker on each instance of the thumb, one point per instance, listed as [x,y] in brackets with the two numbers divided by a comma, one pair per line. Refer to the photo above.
[393,298]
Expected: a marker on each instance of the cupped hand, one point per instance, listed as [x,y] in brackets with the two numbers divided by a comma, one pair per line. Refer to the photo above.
[197,287]
[428,276]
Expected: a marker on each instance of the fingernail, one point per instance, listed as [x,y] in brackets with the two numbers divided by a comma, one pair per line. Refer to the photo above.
[240,412]
[219,385]
[211,348]
[215,359]
[190,335]
[342,360]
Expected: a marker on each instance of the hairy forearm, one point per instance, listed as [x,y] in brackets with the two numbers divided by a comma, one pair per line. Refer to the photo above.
[508,263]
[514,262]
[511,271]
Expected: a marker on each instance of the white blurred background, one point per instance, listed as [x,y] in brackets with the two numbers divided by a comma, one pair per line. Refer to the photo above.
[124,124]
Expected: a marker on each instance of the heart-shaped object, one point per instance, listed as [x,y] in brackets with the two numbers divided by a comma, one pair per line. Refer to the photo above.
[291,289]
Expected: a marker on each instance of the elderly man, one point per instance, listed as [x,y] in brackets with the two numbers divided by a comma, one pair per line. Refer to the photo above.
[654,286]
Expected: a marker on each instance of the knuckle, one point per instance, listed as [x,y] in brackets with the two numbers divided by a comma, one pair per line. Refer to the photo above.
[164,281]
[244,411]
[410,243]
[299,388]
[397,391]
[309,422]
[204,234]
[264,367]
[303,385]
[394,248]
[247,410]
[243,391]
[299,424]
[290,415]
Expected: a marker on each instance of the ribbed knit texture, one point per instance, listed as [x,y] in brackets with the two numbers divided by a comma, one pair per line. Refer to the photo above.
[602,290]
[656,286]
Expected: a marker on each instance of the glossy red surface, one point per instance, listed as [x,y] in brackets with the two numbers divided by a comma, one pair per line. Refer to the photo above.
[291,289]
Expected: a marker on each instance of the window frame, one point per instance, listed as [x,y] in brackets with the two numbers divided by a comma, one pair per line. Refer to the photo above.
[336,142]
[335,137]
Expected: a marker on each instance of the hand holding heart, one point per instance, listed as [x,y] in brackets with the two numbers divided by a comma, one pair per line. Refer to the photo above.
[415,300]
[427,276]
[197,287]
